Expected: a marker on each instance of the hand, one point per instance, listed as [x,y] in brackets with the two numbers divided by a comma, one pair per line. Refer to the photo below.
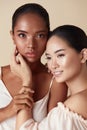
[20,101]
[24,114]
[27,90]
[20,68]
[24,98]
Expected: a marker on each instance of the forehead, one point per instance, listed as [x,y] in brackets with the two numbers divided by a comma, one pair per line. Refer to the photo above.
[30,20]
[56,43]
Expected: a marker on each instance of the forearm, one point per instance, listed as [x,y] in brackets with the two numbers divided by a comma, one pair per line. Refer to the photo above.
[5,114]
[23,116]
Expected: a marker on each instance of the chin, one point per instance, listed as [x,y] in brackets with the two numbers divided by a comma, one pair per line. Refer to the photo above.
[59,80]
[31,60]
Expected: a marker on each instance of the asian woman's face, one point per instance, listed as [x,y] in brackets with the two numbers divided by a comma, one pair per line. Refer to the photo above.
[63,61]
[30,36]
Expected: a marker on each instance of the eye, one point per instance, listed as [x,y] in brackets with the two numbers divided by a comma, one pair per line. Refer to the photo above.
[22,35]
[48,58]
[41,35]
[60,55]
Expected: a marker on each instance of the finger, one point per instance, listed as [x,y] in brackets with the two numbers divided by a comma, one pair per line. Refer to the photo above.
[20,58]
[16,51]
[22,97]
[26,89]
[27,101]
[13,57]
[23,106]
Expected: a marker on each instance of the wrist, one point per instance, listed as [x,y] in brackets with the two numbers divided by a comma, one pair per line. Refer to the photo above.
[26,82]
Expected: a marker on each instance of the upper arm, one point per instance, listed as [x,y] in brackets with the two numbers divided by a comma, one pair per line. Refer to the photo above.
[58,93]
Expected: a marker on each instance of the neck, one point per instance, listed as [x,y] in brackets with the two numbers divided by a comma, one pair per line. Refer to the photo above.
[78,83]
[36,66]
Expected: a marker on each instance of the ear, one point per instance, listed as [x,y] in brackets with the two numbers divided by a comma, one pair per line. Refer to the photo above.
[84,55]
[12,35]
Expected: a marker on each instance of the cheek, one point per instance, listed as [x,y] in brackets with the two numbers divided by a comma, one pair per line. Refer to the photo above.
[69,61]
[20,48]
[76,65]
[75,62]
[73,67]
[41,47]
[20,44]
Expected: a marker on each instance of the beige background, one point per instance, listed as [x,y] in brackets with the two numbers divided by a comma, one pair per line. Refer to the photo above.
[60,11]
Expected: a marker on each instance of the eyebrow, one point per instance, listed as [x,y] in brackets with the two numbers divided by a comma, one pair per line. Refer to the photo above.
[21,31]
[36,32]
[59,50]
[56,51]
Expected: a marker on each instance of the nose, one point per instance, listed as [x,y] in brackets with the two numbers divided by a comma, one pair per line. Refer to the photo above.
[54,64]
[30,42]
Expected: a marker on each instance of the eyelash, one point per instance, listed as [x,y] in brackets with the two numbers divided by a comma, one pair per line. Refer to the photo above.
[21,35]
[60,55]
[48,58]
[40,35]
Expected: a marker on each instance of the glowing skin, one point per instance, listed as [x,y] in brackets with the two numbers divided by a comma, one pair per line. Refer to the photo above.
[61,59]
[30,36]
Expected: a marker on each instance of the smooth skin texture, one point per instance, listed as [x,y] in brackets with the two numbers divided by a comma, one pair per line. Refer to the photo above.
[67,65]
[30,35]
[30,41]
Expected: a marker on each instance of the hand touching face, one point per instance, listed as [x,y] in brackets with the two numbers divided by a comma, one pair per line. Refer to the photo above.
[20,68]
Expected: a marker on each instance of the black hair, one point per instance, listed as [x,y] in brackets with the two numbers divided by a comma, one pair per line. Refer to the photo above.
[75,36]
[31,8]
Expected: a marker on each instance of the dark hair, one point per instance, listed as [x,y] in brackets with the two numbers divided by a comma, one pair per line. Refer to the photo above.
[31,8]
[75,36]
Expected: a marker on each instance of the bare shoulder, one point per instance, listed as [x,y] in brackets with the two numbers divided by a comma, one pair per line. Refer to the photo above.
[78,103]
[5,70]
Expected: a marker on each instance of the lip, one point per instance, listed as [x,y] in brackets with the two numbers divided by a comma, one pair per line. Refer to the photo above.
[57,73]
[30,54]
